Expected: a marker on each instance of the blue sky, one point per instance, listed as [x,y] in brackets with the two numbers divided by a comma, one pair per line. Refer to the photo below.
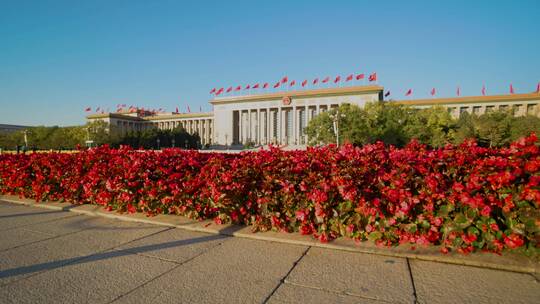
[58,57]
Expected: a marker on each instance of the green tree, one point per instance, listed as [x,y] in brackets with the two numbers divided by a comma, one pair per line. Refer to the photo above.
[523,126]
[431,126]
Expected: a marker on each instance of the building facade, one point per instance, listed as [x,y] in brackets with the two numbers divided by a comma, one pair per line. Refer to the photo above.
[280,117]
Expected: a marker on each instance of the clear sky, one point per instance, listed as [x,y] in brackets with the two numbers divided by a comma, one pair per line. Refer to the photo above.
[58,57]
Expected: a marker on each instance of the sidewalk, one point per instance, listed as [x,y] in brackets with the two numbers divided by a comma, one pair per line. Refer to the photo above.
[55,256]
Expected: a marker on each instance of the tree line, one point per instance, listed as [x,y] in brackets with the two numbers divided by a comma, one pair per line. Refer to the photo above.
[95,134]
[397,124]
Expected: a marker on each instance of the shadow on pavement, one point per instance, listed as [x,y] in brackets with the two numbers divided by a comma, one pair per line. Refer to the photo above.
[111,254]
[28,214]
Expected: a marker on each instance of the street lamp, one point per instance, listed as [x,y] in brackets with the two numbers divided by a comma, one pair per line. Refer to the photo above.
[335,123]
[25,139]
[158,141]
[173,142]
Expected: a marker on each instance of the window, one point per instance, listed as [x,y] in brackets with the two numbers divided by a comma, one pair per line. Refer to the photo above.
[517,109]
[490,109]
[503,108]
[531,109]
[462,110]
[476,110]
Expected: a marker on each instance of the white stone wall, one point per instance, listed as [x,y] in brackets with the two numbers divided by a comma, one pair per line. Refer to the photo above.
[254,125]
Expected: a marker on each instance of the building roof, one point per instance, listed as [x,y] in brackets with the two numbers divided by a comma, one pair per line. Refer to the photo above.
[179,115]
[152,117]
[302,93]
[471,99]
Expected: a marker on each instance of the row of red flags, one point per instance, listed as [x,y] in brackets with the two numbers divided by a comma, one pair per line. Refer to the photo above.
[285,82]
[134,109]
[433,91]
[372,77]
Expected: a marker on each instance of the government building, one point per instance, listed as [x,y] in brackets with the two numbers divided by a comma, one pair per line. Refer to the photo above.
[280,117]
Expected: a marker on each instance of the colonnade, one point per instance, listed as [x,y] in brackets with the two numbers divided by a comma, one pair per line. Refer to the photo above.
[276,125]
[201,126]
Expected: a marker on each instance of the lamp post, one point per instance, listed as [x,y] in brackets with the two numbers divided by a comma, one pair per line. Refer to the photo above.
[335,123]
[173,142]
[186,143]
[158,141]
[25,139]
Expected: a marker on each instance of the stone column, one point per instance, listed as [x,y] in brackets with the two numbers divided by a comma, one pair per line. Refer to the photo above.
[240,126]
[258,126]
[295,119]
[268,125]
[278,127]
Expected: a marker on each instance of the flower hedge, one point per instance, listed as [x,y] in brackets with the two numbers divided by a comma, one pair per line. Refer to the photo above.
[463,197]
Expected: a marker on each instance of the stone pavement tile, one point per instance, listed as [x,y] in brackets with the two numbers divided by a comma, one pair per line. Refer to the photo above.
[98,278]
[238,271]
[18,237]
[49,254]
[288,293]
[175,244]
[79,222]
[14,216]
[365,275]
[446,283]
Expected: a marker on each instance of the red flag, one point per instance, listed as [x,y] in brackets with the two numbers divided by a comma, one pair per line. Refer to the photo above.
[373,77]
[277,84]
[213,91]
[360,76]
[433,92]
[256,86]
[349,78]
[483,90]
[315,80]
[538,88]
[293,83]
[511,89]
[338,78]
[409,92]
[387,94]
[229,89]
[88,109]
[285,79]
[326,80]
[458,91]
[238,88]
[265,85]
[176,109]
[188,109]
[219,91]
[304,83]
[247,87]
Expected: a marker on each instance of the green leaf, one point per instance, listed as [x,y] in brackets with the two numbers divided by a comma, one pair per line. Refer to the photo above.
[375,235]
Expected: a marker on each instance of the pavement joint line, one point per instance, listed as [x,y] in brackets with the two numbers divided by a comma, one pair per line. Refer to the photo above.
[41,222]
[462,261]
[53,236]
[337,292]
[283,280]
[79,258]
[178,265]
[415,295]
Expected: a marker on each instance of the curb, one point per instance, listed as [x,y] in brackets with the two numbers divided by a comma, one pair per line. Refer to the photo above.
[506,262]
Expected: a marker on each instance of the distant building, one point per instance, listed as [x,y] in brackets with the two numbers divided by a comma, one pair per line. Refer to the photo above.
[12,128]
[280,117]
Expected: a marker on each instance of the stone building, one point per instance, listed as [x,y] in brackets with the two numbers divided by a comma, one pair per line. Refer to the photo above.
[280,117]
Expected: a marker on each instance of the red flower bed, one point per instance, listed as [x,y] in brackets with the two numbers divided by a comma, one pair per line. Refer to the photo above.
[459,197]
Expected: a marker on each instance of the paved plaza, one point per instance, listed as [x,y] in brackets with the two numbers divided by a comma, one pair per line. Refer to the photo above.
[53,256]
